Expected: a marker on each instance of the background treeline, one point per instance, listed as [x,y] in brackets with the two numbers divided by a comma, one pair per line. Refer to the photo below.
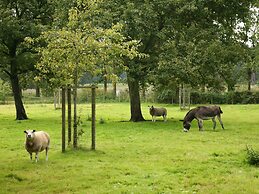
[209,45]
[150,95]
[237,97]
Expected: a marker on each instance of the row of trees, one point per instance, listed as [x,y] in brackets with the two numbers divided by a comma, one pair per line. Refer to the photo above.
[203,43]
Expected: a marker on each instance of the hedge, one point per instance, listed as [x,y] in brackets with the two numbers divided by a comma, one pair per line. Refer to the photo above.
[245,97]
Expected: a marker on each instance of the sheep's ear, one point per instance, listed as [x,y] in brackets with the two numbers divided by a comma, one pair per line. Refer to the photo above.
[181,120]
[25,132]
[33,130]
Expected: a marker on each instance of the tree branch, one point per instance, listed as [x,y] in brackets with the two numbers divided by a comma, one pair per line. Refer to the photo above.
[7,72]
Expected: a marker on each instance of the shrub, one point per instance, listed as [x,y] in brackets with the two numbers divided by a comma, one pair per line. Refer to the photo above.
[252,156]
[245,97]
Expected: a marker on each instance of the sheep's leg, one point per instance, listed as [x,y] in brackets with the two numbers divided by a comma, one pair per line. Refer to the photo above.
[221,123]
[37,156]
[47,149]
[214,123]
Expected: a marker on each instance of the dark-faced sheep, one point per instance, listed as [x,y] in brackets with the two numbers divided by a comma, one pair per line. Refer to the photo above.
[37,141]
[154,112]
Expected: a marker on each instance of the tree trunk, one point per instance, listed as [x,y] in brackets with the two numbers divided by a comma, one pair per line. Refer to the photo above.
[135,108]
[20,111]
[37,91]
[114,83]
[17,92]
[105,86]
[249,75]
[231,87]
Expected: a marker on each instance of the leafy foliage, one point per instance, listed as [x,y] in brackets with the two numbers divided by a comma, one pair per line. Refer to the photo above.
[252,156]
[82,47]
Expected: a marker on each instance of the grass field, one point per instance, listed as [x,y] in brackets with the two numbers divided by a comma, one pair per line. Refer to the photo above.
[142,157]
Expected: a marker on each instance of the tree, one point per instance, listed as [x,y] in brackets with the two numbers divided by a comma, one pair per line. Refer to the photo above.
[19,20]
[206,49]
[248,36]
[80,46]
[157,23]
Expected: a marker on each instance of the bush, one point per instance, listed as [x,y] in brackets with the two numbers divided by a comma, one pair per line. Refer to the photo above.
[252,156]
[245,97]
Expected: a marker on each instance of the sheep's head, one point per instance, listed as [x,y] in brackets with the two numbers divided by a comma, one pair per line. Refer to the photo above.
[151,108]
[29,134]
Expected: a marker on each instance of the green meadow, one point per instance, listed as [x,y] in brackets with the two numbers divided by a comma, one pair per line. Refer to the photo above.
[143,157]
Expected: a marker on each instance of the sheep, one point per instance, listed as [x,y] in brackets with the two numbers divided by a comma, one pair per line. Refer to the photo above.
[37,141]
[157,112]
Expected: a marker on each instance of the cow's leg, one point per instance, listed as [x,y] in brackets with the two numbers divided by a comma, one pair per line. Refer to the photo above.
[214,123]
[30,155]
[200,124]
[219,118]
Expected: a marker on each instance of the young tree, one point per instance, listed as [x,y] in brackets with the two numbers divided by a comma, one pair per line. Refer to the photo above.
[80,46]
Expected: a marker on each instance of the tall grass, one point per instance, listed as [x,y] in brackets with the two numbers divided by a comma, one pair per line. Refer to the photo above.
[143,157]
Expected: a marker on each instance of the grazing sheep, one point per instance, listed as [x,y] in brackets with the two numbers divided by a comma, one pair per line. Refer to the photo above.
[37,142]
[157,112]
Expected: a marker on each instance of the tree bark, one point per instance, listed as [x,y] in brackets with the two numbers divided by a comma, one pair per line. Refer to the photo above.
[135,108]
[17,92]
[37,91]
[20,111]
[105,85]
[249,75]
[114,84]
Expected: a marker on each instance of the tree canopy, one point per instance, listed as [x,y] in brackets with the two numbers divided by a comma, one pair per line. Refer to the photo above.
[20,19]
[207,44]
[82,47]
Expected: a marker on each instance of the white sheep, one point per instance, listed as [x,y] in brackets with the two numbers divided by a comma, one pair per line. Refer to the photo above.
[37,141]
[157,112]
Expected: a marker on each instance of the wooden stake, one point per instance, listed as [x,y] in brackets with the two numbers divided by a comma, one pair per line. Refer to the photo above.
[69,115]
[93,117]
[63,119]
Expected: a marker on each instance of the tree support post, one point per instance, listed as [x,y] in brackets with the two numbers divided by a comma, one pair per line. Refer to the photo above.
[93,116]
[75,118]
[69,115]
[63,119]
